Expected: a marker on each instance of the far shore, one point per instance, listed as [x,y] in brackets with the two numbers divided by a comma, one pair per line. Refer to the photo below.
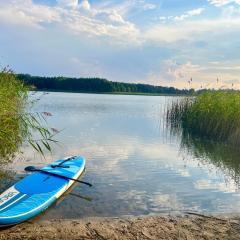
[114,93]
[189,227]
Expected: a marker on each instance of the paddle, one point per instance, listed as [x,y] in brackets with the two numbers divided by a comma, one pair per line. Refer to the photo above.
[61,163]
[33,169]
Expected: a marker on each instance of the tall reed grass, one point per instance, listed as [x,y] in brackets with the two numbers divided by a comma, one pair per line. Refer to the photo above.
[13,97]
[16,124]
[213,114]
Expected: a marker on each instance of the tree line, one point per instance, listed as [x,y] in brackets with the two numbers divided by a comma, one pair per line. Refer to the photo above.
[94,85]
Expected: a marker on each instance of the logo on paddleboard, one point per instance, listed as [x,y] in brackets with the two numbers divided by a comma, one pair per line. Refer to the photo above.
[7,195]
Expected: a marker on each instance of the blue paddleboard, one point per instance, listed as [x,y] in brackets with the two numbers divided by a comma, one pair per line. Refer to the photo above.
[36,192]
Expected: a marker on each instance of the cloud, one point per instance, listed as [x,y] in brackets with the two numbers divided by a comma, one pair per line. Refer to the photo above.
[190,13]
[68,3]
[203,75]
[85,5]
[185,15]
[108,21]
[24,12]
[116,17]
[220,3]
[120,41]
[191,30]
[149,6]
[70,16]
[120,30]
[179,75]
[183,71]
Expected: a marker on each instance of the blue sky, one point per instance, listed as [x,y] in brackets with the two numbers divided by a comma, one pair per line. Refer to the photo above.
[161,42]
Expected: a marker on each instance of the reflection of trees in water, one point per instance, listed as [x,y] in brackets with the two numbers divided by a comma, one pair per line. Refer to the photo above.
[224,157]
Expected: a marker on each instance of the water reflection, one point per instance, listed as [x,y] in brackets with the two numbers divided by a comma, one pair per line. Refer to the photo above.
[222,156]
[136,167]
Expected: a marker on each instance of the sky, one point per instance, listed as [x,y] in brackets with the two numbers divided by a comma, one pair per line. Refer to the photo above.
[160,42]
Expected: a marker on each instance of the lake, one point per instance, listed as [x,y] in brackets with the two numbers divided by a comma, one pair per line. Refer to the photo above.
[136,164]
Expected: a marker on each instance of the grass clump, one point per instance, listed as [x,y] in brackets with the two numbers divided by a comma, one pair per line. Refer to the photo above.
[17,124]
[13,99]
[213,114]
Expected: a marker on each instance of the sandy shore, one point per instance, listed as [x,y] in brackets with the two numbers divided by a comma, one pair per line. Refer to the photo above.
[187,227]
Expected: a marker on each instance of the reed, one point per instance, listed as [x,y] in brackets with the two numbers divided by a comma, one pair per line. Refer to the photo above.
[213,114]
[17,124]
[13,96]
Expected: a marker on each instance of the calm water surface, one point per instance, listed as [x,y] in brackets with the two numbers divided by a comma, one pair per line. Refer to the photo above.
[136,166]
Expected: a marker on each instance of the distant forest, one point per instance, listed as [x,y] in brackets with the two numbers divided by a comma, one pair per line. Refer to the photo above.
[94,85]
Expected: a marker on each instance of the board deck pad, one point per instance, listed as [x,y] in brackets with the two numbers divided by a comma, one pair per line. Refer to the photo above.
[36,192]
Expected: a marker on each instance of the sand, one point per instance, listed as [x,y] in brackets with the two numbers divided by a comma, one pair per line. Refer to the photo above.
[186,227]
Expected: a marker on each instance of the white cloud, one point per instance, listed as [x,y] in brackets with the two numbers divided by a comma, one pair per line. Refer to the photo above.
[68,3]
[85,5]
[149,6]
[116,17]
[24,12]
[192,30]
[162,18]
[72,16]
[195,12]
[190,13]
[110,21]
[185,15]
[220,3]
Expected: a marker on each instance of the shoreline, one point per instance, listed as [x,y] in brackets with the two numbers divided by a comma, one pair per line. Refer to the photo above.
[113,93]
[154,227]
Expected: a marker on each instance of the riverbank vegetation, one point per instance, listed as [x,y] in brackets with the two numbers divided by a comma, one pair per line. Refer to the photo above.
[95,85]
[13,99]
[214,115]
[17,123]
